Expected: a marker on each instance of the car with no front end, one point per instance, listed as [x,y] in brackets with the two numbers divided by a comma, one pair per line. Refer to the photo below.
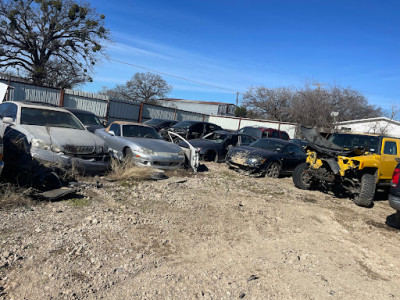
[269,156]
[142,145]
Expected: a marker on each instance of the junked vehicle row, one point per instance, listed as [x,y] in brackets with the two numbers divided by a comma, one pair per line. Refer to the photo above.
[41,142]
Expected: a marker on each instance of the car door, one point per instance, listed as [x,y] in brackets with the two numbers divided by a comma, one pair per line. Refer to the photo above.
[389,153]
[292,156]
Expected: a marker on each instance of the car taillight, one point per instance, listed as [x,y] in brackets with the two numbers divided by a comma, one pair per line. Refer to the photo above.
[395,178]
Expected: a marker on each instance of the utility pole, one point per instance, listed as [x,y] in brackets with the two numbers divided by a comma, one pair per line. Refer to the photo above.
[318,85]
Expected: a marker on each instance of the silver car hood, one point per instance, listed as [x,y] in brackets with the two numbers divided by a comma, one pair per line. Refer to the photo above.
[64,136]
[155,144]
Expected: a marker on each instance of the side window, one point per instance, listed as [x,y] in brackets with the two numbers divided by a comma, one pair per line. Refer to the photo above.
[197,128]
[116,128]
[275,134]
[3,108]
[11,112]
[390,148]
[232,140]
[246,140]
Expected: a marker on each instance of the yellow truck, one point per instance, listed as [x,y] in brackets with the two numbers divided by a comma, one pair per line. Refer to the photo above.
[355,163]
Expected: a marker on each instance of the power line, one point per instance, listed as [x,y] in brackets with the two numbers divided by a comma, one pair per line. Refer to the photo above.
[174,76]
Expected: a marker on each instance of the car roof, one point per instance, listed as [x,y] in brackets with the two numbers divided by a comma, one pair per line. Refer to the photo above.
[34,104]
[127,123]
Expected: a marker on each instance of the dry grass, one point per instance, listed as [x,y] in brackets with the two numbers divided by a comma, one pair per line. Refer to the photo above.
[128,171]
[11,196]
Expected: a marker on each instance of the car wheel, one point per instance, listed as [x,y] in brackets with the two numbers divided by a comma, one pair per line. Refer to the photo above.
[210,156]
[128,155]
[367,191]
[397,218]
[273,170]
[301,178]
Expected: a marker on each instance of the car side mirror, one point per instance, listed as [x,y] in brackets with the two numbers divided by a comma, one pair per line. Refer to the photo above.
[8,120]
[111,132]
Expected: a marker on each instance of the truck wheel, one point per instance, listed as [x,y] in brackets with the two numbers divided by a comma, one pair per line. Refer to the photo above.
[367,191]
[301,177]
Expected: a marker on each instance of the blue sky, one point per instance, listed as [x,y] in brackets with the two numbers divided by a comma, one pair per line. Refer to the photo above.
[236,44]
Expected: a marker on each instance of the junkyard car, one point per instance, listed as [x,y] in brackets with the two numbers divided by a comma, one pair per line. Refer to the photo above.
[89,119]
[357,163]
[270,157]
[193,129]
[141,144]
[394,195]
[264,132]
[159,124]
[39,133]
[215,145]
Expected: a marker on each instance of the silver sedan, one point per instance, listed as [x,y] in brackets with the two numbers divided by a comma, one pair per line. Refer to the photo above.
[141,144]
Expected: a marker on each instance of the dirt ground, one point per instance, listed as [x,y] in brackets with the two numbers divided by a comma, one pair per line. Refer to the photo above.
[213,235]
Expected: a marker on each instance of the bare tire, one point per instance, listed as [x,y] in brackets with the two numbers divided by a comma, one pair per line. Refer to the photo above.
[367,191]
[301,177]
[273,170]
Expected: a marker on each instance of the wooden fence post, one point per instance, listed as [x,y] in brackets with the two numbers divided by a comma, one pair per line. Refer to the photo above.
[240,120]
[8,89]
[175,115]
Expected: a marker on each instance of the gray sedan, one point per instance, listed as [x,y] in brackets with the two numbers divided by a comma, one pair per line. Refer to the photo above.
[141,144]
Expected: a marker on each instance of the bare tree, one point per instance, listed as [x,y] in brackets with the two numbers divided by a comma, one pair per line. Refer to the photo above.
[270,103]
[142,87]
[309,106]
[52,42]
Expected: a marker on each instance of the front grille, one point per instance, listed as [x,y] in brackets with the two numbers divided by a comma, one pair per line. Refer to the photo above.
[71,149]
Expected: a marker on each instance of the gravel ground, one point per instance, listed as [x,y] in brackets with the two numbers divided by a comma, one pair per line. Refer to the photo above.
[213,235]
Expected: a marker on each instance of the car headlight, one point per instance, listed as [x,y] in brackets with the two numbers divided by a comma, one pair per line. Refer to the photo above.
[99,149]
[257,160]
[55,148]
[145,150]
[38,143]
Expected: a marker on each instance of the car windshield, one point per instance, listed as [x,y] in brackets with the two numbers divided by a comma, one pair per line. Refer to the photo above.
[353,141]
[216,137]
[153,122]
[184,124]
[47,117]
[268,144]
[88,119]
[140,131]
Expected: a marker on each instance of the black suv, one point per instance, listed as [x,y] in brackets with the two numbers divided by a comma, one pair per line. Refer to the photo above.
[194,129]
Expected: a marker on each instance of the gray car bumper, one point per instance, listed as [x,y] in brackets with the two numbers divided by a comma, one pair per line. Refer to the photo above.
[163,163]
[83,166]
[394,202]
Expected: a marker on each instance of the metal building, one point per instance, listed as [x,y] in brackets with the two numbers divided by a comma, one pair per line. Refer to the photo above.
[203,107]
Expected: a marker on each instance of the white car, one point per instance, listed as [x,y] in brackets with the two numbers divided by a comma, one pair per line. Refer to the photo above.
[41,133]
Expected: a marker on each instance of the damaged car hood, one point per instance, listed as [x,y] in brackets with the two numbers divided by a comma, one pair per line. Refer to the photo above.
[154,144]
[63,136]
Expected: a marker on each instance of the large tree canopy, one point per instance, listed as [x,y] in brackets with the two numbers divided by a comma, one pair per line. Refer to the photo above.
[309,106]
[52,42]
[142,87]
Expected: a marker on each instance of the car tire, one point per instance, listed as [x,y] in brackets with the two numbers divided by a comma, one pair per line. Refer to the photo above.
[210,156]
[273,170]
[397,218]
[301,178]
[128,155]
[367,191]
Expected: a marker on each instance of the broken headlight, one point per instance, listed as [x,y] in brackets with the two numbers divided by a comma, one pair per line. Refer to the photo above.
[38,143]
[145,150]
[55,148]
[99,149]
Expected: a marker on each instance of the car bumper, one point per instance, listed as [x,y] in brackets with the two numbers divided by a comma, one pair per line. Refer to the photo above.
[163,163]
[249,168]
[81,165]
[394,202]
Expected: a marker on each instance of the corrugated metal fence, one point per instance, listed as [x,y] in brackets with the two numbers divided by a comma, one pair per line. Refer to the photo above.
[116,109]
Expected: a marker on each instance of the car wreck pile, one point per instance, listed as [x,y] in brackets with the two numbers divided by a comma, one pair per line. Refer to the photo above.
[44,146]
